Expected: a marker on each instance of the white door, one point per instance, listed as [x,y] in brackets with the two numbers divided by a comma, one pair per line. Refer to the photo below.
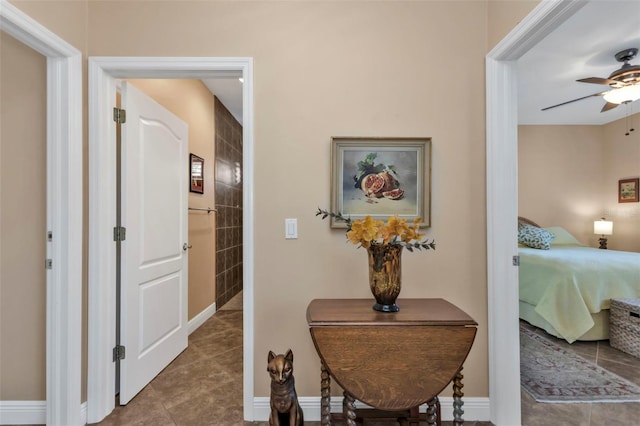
[153,310]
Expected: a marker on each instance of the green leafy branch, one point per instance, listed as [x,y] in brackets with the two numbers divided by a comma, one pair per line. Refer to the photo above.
[427,245]
[337,216]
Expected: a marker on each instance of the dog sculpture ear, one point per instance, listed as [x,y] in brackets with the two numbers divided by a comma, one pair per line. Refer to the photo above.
[271,356]
[289,355]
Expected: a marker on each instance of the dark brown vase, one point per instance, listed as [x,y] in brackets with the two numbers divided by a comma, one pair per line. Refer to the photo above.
[384,275]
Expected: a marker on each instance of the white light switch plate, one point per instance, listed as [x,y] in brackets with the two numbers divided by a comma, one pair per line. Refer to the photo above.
[291,229]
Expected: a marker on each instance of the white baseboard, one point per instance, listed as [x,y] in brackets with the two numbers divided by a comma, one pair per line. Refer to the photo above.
[475,409]
[34,412]
[203,316]
[23,412]
[30,412]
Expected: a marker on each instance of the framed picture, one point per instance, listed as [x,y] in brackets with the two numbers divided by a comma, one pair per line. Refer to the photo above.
[196,167]
[628,190]
[381,177]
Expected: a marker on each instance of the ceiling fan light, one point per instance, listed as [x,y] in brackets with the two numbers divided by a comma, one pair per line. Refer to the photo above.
[623,94]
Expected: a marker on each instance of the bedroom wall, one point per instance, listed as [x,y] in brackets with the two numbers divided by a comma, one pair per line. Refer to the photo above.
[560,177]
[327,69]
[568,176]
[622,161]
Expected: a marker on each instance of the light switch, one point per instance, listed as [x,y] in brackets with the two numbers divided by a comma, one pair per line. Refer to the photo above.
[291,229]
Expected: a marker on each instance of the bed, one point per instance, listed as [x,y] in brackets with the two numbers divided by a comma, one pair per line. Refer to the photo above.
[566,288]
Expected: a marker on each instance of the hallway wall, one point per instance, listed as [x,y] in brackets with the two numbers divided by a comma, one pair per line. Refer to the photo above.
[228,181]
[326,69]
[23,155]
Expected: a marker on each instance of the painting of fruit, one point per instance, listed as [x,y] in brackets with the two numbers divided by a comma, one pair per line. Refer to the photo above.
[377,184]
[380,177]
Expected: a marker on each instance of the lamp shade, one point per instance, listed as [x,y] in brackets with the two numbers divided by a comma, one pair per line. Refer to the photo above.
[623,94]
[603,227]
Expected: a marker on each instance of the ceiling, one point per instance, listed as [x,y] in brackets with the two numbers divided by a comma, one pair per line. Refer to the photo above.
[583,46]
[229,90]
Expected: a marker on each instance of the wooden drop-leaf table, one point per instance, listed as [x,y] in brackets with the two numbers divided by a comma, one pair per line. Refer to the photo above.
[393,362]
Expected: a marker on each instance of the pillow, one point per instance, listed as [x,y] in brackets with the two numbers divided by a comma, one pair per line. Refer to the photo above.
[563,237]
[534,237]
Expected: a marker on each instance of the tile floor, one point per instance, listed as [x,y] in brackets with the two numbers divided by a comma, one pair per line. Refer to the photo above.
[594,414]
[203,386]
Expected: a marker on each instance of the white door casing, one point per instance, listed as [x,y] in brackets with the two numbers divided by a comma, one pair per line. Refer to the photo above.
[502,203]
[154,265]
[102,165]
[64,214]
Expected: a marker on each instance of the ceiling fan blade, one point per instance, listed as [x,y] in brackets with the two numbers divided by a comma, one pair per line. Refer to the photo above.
[608,106]
[598,80]
[574,100]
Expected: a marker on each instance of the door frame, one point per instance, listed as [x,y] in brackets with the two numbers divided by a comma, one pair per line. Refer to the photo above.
[103,73]
[64,212]
[502,202]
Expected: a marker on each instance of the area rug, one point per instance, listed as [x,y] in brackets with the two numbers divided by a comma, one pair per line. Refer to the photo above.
[552,374]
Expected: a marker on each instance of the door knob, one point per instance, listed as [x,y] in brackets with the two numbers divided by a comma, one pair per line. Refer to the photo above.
[185,246]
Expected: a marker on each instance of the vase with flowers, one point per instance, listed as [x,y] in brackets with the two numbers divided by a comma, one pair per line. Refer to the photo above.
[384,242]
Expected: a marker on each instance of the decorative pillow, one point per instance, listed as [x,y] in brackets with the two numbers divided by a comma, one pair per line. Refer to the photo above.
[534,237]
[562,237]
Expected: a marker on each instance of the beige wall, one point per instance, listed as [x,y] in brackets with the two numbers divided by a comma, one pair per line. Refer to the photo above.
[23,79]
[327,69]
[191,101]
[504,15]
[622,161]
[568,176]
[560,173]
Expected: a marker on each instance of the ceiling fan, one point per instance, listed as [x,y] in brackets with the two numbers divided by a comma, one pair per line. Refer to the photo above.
[624,83]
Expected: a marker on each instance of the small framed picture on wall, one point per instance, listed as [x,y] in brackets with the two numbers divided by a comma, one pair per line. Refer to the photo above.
[197,174]
[628,190]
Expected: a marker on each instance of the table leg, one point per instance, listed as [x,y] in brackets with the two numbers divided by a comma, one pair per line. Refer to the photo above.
[325,400]
[457,399]
[414,413]
[349,409]
[432,412]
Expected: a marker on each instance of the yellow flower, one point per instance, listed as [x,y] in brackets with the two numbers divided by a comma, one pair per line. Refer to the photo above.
[364,231]
[368,231]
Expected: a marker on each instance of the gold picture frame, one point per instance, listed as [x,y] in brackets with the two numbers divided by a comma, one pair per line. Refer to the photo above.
[628,190]
[381,177]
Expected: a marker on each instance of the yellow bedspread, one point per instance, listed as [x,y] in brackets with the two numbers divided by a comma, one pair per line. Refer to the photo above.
[566,284]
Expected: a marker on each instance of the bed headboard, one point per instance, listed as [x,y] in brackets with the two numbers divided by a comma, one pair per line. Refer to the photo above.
[527,221]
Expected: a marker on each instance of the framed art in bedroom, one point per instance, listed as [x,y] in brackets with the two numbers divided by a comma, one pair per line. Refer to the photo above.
[628,190]
[381,177]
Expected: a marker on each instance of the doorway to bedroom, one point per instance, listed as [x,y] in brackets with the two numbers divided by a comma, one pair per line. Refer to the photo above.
[558,145]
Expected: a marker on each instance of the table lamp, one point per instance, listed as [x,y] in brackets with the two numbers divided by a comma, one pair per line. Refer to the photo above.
[603,227]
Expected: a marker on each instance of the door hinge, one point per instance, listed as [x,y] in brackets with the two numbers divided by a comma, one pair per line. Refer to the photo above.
[119,115]
[49,236]
[48,264]
[516,260]
[118,353]
[119,233]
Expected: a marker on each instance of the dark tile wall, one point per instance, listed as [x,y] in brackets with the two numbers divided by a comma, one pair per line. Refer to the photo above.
[228,181]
